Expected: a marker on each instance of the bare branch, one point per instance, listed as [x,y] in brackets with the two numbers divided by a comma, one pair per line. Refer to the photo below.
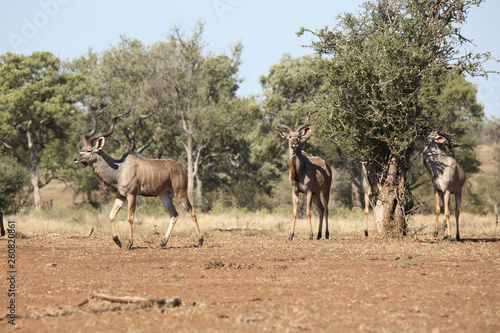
[170,303]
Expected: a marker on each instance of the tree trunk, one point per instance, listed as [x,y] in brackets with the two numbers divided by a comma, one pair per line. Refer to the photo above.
[33,168]
[390,217]
[35,181]
[199,191]
[36,189]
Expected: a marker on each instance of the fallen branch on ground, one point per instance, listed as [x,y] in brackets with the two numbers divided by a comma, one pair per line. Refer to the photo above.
[417,228]
[84,236]
[171,303]
[21,234]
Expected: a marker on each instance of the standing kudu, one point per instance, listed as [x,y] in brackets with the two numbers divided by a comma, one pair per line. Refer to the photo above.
[446,174]
[132,175]
[309,175]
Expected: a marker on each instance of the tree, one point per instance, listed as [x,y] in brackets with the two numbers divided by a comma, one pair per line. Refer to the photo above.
[378,63]
[198,89]
[180,99]
[119,80]
[35,108]
[13,179]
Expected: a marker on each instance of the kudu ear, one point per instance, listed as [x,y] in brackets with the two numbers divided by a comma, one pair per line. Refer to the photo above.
[440,139]
[305,133]
[100,143]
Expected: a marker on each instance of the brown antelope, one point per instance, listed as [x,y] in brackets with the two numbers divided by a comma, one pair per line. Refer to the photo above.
[309,175]
[446,174]
[132,175]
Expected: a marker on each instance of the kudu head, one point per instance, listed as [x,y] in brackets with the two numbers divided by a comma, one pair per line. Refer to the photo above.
[88,153]
[442,139]
[297,137]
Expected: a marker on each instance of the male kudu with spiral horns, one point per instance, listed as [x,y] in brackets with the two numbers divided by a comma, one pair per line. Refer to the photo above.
[309,175]
[132,175]
[446,174]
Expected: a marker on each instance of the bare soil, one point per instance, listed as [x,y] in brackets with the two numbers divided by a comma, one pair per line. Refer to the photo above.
[248,281]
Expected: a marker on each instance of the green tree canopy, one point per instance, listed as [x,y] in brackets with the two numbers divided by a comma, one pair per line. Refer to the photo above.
[35,112]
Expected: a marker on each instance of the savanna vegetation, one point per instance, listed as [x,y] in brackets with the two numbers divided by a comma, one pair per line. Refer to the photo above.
[373,83]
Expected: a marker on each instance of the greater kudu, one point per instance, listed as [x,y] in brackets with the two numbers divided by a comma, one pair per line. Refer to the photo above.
[309,175]
[133,175]
[446,174]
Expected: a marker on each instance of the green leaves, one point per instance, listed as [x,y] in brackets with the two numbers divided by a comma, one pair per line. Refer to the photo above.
[13,180]
[33,103]
[35,112]
[380,62]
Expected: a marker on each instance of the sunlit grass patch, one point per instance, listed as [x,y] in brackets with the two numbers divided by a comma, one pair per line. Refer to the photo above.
[151,225]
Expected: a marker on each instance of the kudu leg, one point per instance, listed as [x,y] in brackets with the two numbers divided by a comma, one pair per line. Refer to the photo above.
[319,205]
[458,200]
[172,212]
[446,200]
[326,198]
[112,215]
[308,212]
[436,197]
[367,211]
[189,208]
[131,212]
[295,200]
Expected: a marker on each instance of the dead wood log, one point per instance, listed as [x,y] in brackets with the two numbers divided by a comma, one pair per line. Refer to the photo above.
[21,234]
[170,303]
[84,236]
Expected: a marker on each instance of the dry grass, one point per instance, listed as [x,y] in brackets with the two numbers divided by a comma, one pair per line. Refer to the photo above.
[150,226]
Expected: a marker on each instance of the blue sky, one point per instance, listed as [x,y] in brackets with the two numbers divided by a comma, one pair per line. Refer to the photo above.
[266,28]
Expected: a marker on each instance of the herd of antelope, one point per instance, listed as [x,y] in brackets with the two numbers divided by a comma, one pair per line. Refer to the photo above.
[132,175]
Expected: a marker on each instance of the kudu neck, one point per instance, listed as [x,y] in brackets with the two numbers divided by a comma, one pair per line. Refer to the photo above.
[107,169]
[434,148]
[295,152]
[296,156]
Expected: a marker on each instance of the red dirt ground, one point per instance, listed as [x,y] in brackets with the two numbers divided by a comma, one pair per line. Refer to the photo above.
[247,281]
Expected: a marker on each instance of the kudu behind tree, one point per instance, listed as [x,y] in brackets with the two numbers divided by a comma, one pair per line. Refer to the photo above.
[446,174]
[132,175]
[309,175]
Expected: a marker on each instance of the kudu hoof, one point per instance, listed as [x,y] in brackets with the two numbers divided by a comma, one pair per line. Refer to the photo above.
[318,236]
[327,235]
[162,244]
[436,234]
[366,233]
[290,237]
[117,241]
[129,244]
[200,242]
[311,237]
